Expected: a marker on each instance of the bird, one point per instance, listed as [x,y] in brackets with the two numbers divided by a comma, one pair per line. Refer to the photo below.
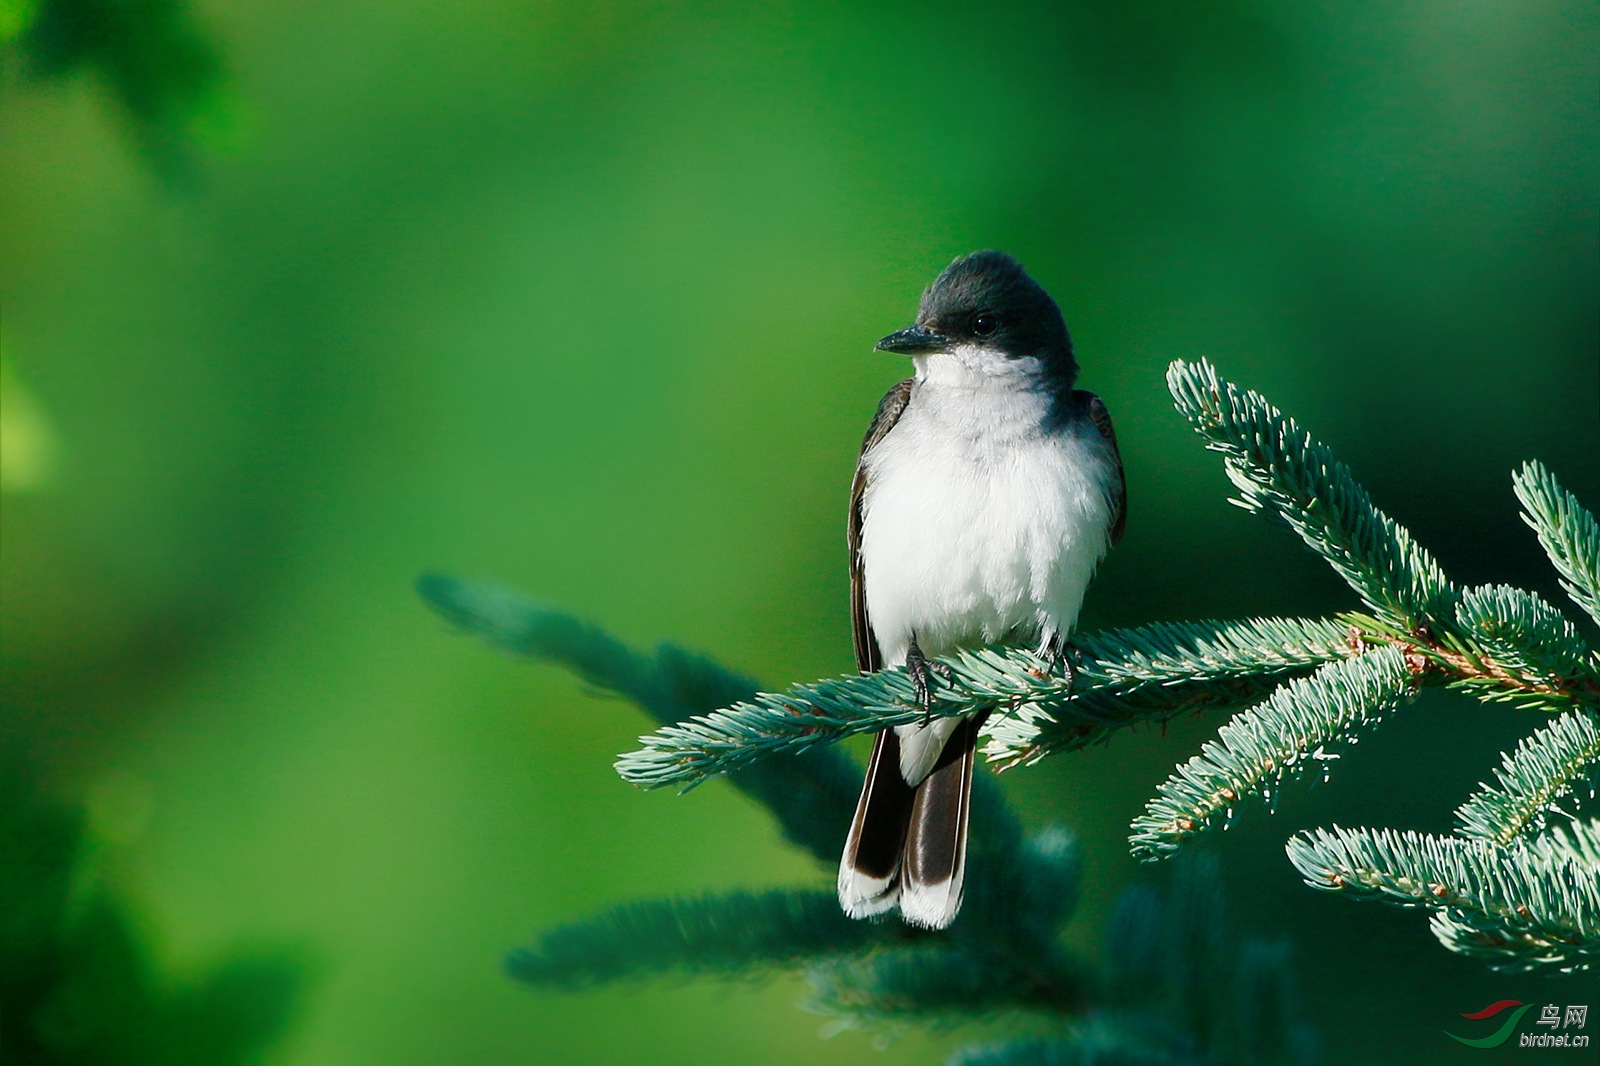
[987,491]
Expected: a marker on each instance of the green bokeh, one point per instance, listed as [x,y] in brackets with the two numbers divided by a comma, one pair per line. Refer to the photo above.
[582,298]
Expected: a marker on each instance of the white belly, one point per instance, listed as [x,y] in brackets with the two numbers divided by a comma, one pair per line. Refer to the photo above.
[977,524]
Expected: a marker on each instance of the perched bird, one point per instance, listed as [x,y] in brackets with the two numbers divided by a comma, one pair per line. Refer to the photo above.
[987,492]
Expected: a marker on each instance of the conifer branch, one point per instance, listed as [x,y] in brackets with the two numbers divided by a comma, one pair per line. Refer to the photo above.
[1283,472]
[730,935]
[1003,955]
[1279,738]
[1574,850]
[1120,678]
[1523,907]
[1523,650]
[671,685]
[1162,671]
[1559,760]
[1567,531]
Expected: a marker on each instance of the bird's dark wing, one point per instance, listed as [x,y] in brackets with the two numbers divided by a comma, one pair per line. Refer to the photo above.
[868,658]
[1102,421]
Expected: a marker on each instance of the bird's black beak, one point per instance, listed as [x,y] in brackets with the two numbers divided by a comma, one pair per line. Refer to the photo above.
[914,340]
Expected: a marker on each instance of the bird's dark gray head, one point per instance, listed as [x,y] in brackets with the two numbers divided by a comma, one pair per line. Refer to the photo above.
[986,299]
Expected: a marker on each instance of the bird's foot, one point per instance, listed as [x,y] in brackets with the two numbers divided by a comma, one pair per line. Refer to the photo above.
[1064,658]
[921,671]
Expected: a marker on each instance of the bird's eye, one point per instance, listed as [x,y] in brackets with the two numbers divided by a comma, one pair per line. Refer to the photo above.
[983,325]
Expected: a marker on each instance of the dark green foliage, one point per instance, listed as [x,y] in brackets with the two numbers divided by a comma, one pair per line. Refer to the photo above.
[1001,954]
[1269,1019]
[669,686]
[1178,988]
[76,985]
[944,983]
[1134,947]
[150,54]
[1197,967]
[1019,890]
[1198,986]
[941,984]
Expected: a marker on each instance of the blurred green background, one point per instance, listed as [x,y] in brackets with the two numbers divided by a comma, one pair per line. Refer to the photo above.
[582,298]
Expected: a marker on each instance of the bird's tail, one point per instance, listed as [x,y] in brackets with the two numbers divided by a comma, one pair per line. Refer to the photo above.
[869,872]
[933,871]
[908,844]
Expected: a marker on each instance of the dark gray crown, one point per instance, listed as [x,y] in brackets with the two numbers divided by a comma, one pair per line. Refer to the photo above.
[987,298]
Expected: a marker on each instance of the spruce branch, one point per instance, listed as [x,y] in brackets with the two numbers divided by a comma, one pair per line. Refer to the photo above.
[813,795]
[1521,649]
[736,934]
[1561,759]
[1567,531]
[1120,678]
[1157,672]
[1276,739]
[671,685]
[1290,476]
[1523,907]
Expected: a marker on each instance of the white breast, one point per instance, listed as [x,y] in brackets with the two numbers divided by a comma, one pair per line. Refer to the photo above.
[978,524]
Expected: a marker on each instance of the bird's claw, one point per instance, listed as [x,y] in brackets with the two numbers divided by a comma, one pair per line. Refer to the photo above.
[1064,658]
[920,668]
